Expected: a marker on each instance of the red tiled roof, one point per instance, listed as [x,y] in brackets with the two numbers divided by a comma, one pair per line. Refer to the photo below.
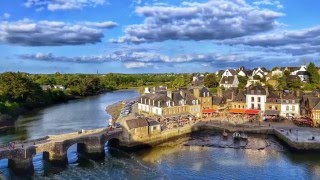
[252,111]
[208,111]
[237,111]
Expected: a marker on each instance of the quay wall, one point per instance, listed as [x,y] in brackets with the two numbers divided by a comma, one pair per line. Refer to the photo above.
[297,145]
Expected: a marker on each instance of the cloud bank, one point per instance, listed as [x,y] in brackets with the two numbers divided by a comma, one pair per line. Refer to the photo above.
[52,33]
[212,20]
[54,5]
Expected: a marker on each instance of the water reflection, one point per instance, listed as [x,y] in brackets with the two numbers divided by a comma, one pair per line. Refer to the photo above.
[87,113]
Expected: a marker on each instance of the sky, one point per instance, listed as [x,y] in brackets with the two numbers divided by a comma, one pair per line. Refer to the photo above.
[156,36]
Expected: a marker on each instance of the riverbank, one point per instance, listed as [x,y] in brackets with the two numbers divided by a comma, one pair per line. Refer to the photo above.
[7,121]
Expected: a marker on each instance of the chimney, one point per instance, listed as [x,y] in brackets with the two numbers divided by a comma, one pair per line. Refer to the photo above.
[196,92]
[219,92]
[169,94]
[182,93]
[232,95]
[267,91]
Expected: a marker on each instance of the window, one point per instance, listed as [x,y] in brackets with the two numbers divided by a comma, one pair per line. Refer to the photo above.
[287,108]
[252,98]
[293,108]
[252,106]
[287,101]
[154,128]
[276,108]
[235,106]
[259,106]
[259,99]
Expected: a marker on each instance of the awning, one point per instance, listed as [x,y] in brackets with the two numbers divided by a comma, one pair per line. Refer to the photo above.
[208,111]
[252,111]
[272,112]
[237,111]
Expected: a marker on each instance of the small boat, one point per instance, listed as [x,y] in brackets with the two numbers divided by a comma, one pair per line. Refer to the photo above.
[236,136]
[244,136]
[224,134]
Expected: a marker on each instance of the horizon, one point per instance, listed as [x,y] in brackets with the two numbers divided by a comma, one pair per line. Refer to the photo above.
[156,36]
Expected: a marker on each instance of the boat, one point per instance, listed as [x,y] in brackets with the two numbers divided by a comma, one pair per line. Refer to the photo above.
[236,136]
[244,136]
[224,134]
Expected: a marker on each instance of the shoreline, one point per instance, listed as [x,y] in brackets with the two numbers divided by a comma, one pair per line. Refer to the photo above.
[9,123]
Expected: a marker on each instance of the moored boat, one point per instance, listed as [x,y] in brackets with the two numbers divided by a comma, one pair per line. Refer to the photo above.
[236,136]
[224,134]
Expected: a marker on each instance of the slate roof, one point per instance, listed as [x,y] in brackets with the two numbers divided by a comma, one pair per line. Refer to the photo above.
[233,72]
[289,96]
[152,122]
[256,90]
[227,80]
[303,73]
[227,94]
[240,97]
[216,100]
[291,69]
[273,95]
[136,123]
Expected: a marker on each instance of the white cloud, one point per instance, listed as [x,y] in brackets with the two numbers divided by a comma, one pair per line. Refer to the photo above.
[54,5]
[212,20]
[131,65]
[5,16]
[51,33]
[275,3]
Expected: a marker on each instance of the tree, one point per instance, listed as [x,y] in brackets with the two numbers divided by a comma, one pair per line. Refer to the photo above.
[294,83]
[211,81]
[242,82]
[286,73]
[18,87]
[314,77]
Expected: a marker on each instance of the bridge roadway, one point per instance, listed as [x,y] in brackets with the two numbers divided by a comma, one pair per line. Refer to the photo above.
[55,147]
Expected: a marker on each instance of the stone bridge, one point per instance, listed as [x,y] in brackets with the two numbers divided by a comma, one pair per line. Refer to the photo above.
[55,147]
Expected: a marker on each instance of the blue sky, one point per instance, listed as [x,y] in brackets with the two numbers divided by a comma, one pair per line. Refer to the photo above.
[151,36]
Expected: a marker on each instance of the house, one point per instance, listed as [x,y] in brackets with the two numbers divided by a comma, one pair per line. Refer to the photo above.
[154,127]
[239,103]
[198,80]
[245,73]
[256,98]
[204,95]
[276,72]
[169,103]
[155,89]
[310,107]
[218,103]
[59,87]
[301,72]
[136,128]
[273,104]
[229,79]
[290,105]
[141,128]
[260,71]
[45,87]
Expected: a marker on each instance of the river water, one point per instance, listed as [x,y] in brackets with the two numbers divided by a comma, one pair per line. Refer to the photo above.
[168,161]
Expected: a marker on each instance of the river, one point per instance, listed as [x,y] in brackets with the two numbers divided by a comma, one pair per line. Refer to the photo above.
[168,161]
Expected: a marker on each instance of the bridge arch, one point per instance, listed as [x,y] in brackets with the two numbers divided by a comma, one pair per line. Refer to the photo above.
[113,143]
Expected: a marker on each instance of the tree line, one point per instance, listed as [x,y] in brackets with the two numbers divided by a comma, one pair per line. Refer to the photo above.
[25,91]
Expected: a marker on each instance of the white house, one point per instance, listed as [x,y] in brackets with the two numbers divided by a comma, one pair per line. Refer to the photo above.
[229,79]
[290,105]
[260,71]
[277,72]
[256,98]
